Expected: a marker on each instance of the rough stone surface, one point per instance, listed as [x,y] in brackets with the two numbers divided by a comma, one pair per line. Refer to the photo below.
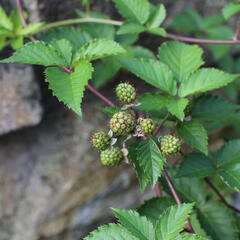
[19,94]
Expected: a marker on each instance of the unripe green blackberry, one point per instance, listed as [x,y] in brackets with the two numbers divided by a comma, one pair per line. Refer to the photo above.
[100,140]
[125,93]
[147,125]
[170,145]
[122,123]
[111,157]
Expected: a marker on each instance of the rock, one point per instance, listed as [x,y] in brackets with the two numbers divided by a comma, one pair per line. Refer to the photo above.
[52,181]
[19,94]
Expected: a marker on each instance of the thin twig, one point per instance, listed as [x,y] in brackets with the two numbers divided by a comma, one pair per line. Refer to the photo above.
[156,131]
[157,189]
[176,197]
[199,40]
[211,185]
[119,23]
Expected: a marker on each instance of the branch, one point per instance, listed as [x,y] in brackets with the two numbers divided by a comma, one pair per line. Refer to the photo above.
[211,185]
[119,23]
[156,131]
[199,40]
[176,197]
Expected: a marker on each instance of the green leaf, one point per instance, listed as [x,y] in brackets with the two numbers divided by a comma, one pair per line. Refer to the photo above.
[229,154]
[39,53]
[131,28]
[195,165]
[231,9]
[152,101]
[141,52]
[143,177]
[188,236]
[64,47]
[231,176]
[16,20]
[137,225]
[172,221]
[135,10]
[158,31]
[150,158]
[69,88]
[205,79]
[189,20]
[153,208]
[31,28]
[17,42]
[98,48]
[182,59]
[110,111]
[99,30]
[104,71]
[110,232]
[157,16]
[76,36]
[153,72]
[212,107]
[177,107]
[5,21]
[218,221]
[194,134]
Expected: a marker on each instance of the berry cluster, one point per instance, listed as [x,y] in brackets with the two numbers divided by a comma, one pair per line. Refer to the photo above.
[124,125]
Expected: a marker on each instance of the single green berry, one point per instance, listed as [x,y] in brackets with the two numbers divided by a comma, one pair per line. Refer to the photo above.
[170,144]
[111,157]
[122,123]
[147,125]
[125,93]
[100,140]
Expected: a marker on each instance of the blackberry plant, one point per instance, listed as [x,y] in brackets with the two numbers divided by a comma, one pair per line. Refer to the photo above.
[147,131]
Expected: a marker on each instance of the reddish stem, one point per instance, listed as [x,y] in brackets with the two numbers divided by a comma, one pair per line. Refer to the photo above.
[199,40]
[20,11]
[176,197]
[157,189]
[97,93]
